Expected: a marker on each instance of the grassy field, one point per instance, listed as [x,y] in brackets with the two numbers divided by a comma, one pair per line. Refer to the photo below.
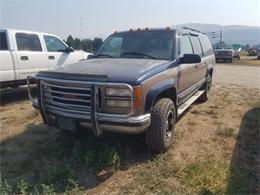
[215,151]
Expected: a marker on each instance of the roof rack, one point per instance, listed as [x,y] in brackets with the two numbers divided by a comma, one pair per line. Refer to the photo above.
[188,28]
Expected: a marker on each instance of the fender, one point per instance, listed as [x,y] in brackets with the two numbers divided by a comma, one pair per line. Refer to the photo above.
[156,90]
[210,67]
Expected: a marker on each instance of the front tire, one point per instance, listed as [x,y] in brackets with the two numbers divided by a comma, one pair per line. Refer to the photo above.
[159,135]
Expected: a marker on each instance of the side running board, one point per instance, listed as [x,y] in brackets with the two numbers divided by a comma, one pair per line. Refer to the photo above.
[186,104]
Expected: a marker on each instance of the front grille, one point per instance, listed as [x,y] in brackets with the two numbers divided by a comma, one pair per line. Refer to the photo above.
[222,53]
[67,99]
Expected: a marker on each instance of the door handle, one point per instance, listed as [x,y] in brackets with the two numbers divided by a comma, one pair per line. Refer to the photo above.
[196,67]
[24,58]
[51,57]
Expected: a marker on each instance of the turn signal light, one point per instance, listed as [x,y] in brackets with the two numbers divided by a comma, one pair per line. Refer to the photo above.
[138,97]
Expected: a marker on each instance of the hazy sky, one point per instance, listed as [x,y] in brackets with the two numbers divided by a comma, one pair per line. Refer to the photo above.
[102,17]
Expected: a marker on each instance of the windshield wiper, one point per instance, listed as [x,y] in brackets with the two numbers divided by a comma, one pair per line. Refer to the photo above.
[139,53]
[103,55]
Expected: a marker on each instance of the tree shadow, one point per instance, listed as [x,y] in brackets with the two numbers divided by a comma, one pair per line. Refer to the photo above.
[46,155]
[13,95]
[245,163]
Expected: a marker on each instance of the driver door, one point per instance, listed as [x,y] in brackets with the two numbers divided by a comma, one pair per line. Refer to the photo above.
[57,52]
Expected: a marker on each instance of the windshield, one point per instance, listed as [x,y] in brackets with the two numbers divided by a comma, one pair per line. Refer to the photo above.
[153,45]
[224,47]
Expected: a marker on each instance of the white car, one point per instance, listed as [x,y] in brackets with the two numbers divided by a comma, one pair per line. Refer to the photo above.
[24,53]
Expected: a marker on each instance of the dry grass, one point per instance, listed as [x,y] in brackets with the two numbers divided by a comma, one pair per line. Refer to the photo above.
[205,156]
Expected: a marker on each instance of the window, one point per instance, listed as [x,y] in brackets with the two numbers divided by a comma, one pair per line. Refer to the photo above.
[196,45]
[3,41]
[185,45]
[53,44]
[113,47]
[143,44]
[29,42]
[206,45]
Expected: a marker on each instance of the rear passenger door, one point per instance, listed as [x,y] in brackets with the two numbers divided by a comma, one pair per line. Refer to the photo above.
[197,48]
[29,54]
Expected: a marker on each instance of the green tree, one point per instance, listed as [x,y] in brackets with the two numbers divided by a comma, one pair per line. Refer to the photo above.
[97,42]
[70,41]
[86,45]
[77,43]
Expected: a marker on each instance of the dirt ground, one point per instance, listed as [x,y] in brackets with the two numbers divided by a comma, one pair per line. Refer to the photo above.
[246,61]
[216,148]
[248,76]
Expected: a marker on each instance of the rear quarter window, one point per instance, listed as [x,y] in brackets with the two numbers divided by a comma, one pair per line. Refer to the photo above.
[3,41]
[28,42]
[206,45]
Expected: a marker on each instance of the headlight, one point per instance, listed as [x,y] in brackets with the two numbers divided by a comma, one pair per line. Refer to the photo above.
[118,92]
[118,103]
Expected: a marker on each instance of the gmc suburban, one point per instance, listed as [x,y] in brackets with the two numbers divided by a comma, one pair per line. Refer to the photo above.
[138,81]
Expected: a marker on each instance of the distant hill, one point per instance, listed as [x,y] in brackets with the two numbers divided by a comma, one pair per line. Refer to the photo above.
[232,34]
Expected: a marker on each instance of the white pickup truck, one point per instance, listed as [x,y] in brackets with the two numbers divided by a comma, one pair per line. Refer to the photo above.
[24,53]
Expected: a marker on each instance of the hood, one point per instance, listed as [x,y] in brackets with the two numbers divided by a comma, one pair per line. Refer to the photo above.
[82,53]
[224,50]
[131,71]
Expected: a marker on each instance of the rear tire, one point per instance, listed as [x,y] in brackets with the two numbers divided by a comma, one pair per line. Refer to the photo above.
[159,135]
[208,84]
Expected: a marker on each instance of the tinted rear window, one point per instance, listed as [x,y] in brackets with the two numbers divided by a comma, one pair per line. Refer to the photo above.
[196,45]
[206,45]
[3,41]
[28,42]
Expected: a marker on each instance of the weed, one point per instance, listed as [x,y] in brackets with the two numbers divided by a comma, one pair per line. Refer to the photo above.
[195,112]
[205,177]
[47,190]
[211,112]
[226,132]
[5,188]
[256,104]
[192,123]
[96,155]
[153,177]
[59,174]
[73,187]
[22,187]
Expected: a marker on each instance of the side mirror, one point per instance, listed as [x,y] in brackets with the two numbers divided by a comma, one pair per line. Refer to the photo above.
[69,49]
[190,59]
[90,56]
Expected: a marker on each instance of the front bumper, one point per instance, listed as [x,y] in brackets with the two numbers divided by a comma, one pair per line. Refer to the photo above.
[128,125]
[96,121]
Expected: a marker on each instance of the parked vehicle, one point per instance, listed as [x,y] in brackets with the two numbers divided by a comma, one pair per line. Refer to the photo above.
[24,53]
[138,81]
[253,51]
[258,55]
[227,53]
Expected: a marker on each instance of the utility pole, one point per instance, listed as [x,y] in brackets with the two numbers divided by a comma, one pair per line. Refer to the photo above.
[80,27]
[221,37]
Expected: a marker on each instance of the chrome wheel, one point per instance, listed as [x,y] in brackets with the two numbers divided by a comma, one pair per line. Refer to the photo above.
[169,124]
